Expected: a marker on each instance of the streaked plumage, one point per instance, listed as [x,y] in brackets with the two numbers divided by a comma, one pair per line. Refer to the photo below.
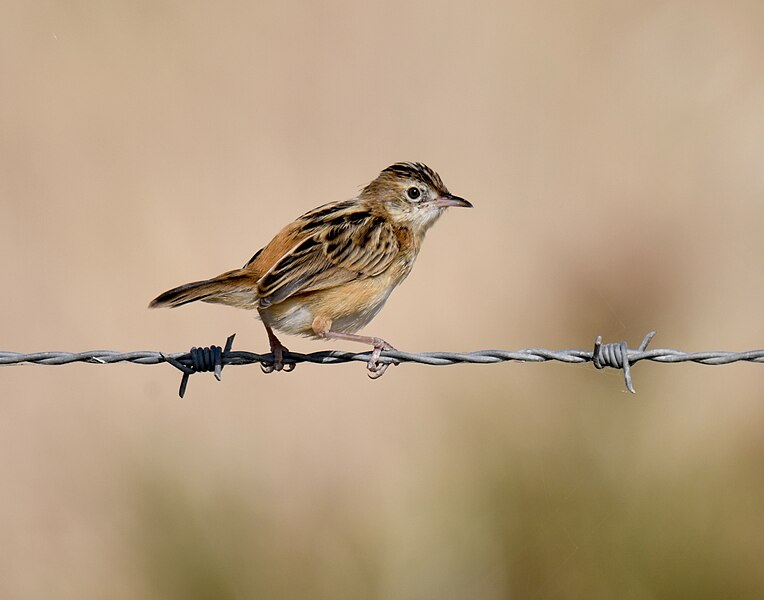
[328,273]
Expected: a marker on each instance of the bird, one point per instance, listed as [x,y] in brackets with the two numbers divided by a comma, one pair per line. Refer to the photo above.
[328,273]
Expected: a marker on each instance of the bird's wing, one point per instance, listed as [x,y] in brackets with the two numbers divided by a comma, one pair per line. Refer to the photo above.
[333,244]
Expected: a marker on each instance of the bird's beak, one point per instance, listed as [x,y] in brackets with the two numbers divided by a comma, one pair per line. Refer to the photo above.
[449,200]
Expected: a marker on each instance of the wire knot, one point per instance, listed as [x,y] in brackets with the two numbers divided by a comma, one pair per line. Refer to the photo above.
[616,356]
[202,360]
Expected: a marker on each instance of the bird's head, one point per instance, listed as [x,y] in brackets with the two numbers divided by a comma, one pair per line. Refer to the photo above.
[413,195]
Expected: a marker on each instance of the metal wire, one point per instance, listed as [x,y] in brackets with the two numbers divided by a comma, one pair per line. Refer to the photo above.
[616,355]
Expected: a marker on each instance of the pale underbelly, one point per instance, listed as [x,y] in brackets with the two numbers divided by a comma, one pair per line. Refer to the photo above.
[344,307]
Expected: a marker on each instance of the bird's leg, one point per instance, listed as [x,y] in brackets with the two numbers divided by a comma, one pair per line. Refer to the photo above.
[376,369]
[277,349]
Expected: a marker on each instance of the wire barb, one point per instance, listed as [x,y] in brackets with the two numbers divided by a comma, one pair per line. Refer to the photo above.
[616,355]
[202,360]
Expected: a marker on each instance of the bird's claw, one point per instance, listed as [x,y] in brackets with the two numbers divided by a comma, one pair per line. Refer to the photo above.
[375,368]
[278,361]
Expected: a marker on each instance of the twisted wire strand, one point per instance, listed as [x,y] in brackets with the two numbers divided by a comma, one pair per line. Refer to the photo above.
[615,355]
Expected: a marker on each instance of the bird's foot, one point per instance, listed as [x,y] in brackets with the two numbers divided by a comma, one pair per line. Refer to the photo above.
[278,351]
[376,368]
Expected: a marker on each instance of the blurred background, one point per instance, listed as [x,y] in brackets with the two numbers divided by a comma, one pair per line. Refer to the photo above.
[613,151]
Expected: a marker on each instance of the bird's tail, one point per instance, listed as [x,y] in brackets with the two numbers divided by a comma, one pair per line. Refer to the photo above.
[234,288]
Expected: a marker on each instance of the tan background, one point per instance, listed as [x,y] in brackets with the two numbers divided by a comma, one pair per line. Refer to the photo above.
[613,151]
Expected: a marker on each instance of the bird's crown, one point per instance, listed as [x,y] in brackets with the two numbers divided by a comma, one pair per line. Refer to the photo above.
[417,171]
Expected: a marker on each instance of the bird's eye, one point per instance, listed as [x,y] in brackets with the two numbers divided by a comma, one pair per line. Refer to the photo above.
[413,193]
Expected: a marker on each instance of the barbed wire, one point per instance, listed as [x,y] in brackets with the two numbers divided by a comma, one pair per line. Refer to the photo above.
[213,358]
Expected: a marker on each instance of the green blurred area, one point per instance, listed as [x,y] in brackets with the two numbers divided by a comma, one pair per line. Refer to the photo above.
[612,151]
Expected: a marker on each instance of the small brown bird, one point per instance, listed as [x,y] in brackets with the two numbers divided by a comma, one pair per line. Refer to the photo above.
[328,273]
